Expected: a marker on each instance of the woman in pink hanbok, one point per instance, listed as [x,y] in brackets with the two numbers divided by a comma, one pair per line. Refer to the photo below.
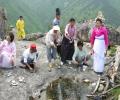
[99,42]
[7,52]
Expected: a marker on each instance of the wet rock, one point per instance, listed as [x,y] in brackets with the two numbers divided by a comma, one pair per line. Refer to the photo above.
[97,98]
[101,88]
[31,98]
[109,60]
[119,97]
[21,79]
[117,59]
[82,31]
[33,36]
[86,80]
[114,36]
[84,67]
[93,84]
[14,83]
[66,90]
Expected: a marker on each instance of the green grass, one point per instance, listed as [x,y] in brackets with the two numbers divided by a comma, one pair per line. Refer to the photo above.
[115,93]
[112,50]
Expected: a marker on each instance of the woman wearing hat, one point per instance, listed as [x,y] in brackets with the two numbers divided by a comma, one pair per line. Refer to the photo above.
[56,21]
[52,39]
[29,57]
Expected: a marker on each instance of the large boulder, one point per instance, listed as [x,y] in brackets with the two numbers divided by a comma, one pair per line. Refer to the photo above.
[82,32]
[3,24]
[118,29]
[33,36]
[114,36]
[117,59]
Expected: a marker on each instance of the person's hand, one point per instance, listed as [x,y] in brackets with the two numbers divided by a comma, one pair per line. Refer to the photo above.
[92,52]
[30,69]
[89,53]
[34,63]
[53,45]
[71,41]
[105,52]
[66,34]
[106,48]
[18,29]
[75,62]
[12,62]
[84,61]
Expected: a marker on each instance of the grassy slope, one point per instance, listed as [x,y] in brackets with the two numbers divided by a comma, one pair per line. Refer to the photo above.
[38,14]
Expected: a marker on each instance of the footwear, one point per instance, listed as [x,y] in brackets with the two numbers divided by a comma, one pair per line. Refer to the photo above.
[59,67]
[50,67]
[69,62]
[81,67]
[99,73]
[61,63]
[31,70]
[84,68]
[57,62]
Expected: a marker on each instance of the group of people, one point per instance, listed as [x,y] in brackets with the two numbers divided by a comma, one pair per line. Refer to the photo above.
[65,45]
[71,52]
[8,54]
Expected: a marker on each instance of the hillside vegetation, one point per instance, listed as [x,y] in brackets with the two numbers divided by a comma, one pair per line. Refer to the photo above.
[38,14]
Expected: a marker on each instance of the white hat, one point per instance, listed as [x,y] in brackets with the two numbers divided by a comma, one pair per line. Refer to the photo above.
[56,28]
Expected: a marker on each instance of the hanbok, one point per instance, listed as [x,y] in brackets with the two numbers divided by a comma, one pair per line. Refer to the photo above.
[7,54]
[99,41]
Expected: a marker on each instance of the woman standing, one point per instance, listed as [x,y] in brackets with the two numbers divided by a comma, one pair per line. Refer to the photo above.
[99,42]
[67,47]
[56,21]
[52,39]
[7,52]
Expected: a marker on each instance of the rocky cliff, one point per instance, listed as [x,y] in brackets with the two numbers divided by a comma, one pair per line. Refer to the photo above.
[3,24]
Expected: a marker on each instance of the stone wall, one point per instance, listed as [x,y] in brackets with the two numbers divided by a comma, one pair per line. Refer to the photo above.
[117,59]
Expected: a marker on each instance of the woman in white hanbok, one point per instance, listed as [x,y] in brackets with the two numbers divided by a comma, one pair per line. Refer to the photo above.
[99,42]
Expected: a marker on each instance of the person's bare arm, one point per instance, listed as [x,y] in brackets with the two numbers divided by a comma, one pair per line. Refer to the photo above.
[28,66]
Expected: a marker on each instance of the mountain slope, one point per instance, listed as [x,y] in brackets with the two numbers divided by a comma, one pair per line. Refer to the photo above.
[38,15]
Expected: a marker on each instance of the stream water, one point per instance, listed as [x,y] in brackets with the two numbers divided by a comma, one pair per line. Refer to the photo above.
[66,89]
